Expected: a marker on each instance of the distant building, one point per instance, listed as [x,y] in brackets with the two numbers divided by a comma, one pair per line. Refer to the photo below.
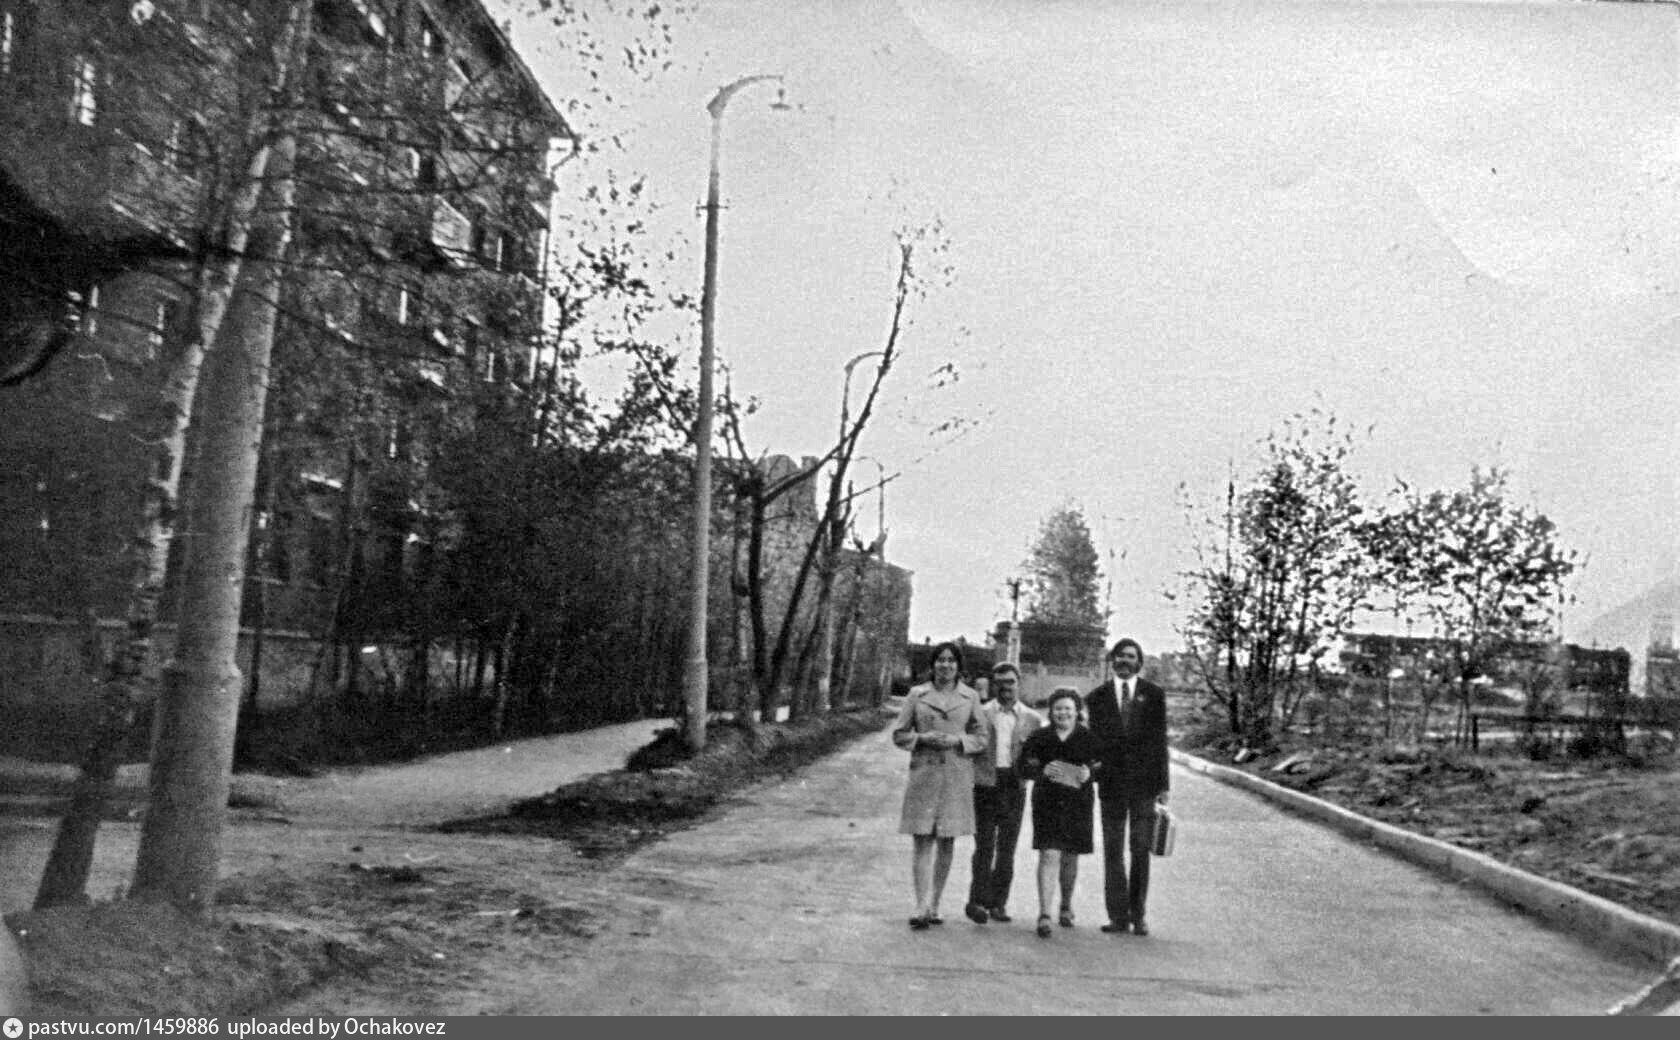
[1662,661]
[1515,674]
[1054,655]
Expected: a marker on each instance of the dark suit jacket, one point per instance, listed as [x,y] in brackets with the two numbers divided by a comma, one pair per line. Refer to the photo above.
[1134,749]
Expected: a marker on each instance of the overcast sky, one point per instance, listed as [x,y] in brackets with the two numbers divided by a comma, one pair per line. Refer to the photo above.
[1170,226]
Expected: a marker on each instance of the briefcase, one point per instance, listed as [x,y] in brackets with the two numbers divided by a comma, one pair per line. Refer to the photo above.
[1166,830]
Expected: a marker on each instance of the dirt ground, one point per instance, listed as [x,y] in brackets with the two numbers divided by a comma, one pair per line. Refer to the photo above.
[329,910]
[1610,826]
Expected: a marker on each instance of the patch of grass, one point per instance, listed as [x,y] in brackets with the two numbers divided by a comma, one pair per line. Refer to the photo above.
[130,959]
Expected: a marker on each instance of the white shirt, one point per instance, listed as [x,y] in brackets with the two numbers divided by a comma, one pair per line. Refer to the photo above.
[1003,721]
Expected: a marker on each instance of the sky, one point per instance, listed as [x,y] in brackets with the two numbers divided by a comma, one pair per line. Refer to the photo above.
[1162,230]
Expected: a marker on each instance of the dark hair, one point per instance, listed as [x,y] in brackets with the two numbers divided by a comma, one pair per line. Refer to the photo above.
[1006,666]
[933,658]
[1122,643]
[1067,695]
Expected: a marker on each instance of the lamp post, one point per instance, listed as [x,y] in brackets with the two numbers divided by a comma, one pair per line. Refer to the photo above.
[695,672]
[846,390]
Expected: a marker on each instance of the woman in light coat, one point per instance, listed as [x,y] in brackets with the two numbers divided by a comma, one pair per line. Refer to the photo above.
[940,725]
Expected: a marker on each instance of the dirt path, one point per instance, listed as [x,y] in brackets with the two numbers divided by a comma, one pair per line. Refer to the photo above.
[345,802]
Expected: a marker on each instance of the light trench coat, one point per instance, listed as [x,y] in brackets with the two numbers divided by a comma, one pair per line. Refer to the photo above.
[939,799]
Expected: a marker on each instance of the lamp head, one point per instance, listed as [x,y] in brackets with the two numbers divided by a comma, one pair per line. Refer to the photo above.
[780,104]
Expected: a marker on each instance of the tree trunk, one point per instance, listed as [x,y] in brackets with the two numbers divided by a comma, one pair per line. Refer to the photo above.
[64,879]
[192,754]
[760,692]
[824,663]
[504,661]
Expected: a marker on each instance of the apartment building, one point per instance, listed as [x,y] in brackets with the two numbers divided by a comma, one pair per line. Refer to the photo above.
[415,284]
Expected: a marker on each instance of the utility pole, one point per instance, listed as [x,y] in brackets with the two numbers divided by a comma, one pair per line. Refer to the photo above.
[695,671]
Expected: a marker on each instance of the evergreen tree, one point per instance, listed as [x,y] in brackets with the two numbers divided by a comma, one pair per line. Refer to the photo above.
[1063,578]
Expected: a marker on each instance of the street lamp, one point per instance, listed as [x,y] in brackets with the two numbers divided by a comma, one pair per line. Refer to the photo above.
[846,390]
[695,672]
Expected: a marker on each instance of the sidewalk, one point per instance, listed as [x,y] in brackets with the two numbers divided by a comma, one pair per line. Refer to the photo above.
[414,794]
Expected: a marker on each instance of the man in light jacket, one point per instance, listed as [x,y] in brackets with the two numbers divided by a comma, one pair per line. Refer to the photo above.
[999,796]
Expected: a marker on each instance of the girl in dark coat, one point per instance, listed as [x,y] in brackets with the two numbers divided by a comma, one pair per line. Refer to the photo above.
[1058,759]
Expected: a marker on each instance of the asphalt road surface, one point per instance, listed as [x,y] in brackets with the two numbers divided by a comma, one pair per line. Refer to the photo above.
[797,902]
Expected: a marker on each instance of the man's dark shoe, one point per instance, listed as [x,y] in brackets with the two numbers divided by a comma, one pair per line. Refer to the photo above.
[976,913]
[999,916]
[1139,928]
[1115,927]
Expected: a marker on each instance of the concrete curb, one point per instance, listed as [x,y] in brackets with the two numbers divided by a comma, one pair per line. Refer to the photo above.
[1592,917]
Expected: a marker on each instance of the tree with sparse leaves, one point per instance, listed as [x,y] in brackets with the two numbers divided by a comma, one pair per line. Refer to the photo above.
[1484,570]
[1280,577]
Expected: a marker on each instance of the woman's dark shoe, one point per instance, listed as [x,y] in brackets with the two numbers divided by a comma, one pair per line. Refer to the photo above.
[919,922]
[1044,926]
[1066,920]
[935,919]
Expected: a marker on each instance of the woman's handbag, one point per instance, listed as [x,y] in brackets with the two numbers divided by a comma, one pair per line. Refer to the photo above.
[1166,830]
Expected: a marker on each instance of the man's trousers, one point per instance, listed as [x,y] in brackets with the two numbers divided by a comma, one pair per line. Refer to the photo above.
[997,828]
[1128,825]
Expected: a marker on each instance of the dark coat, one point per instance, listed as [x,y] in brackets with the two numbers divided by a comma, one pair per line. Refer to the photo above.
[1061,815]
[1133,749]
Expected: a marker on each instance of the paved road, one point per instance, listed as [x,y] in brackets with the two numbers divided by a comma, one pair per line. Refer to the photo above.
[797,902]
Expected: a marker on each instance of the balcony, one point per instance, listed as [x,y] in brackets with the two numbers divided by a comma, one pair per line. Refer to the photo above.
[451,233]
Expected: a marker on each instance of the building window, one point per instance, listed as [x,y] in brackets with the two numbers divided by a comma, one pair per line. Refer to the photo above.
[165,326]
[399,439]
[431,41]
[426,171]
[188,146]
[84,102]
[490,247]
[8,40]
[438,330]
[492,365]
[90,311]
[513,256]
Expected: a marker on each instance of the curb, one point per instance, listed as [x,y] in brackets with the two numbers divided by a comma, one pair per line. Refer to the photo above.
[1589,916]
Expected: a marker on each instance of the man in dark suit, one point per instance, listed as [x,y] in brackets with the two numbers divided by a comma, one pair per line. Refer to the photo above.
[1128,715]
